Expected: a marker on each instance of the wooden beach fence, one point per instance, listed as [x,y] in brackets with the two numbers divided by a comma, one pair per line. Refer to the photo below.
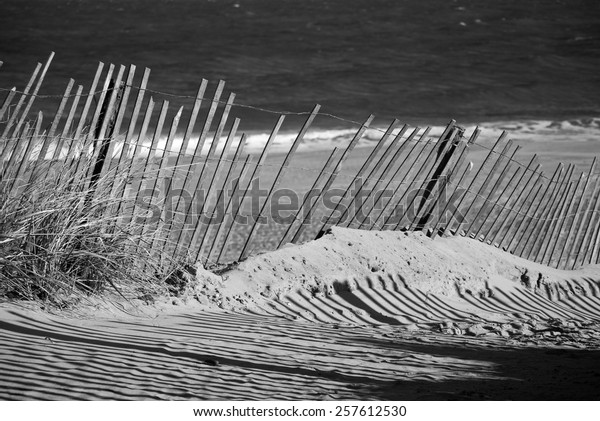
[195,196]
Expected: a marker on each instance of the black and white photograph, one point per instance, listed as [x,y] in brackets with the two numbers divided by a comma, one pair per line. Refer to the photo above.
[371,201]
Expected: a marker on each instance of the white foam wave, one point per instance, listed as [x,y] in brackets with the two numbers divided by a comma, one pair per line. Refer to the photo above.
[326,139]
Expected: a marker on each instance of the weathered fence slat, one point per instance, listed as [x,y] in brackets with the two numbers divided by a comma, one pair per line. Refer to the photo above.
[6,167]
[450,158]
[153,169]
[436,227]
[122,91]
[253,177]
[107,122]
[28,140]
[162,167]
[221,192]
[282,169]
[57,117]
[423,220]
[401,184]
[202,233]
[188,134]
[517,213]
[379,193]
[197,156]
[318,180]
[562,215]
[537,217]
[88,102]
[391,164]
[383,176]
[554,207]
[425,173]
[596,242]
[564,219]
[365,166]
[6,104]
[507,205]
[500,197]
[122,108]
[227,223]
[471,185]
[33,95]
[399,145]
[137,151]
[497,184]
[488,178]
[211,154]
[103,143]
[525,215]
[446,146]
[574,224]
[20,103]
[93,131]
[359,134]
[379,178]
[64,136]
[591,227]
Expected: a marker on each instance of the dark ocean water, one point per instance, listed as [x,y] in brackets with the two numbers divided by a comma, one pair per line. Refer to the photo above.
[417,60]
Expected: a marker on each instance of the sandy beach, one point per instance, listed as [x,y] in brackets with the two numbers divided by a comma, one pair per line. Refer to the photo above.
[354,315]
[130,271]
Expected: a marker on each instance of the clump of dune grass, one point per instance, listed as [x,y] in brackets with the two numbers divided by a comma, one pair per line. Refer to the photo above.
[62,239]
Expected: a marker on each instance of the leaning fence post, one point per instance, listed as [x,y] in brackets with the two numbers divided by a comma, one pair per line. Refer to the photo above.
[548,191]
[516,237]
[436,226]
[255,173]
[496,184]
[553,211]
[575,217]
[393,203]
[364,168]
[517,200]
[591,227]
[381,178]
[306,201]
[282,169]
[563,215]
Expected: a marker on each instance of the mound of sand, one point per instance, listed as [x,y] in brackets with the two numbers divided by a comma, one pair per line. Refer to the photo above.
[345,266]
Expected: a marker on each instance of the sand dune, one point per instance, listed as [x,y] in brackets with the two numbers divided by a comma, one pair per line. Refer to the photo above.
[354,315]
